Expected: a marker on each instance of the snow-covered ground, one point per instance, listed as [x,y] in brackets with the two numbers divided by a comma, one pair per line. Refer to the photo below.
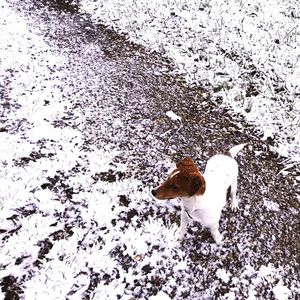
[76,219]
[249,51]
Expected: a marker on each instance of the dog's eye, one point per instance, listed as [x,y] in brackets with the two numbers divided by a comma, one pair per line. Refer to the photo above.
[173,187]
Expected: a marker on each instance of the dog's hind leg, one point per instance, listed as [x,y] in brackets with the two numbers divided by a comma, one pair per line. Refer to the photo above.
[233,201]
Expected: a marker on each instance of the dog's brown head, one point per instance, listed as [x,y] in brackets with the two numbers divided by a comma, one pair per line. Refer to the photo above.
[184,181]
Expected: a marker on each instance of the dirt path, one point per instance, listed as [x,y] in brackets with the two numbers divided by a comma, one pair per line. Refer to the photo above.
[122,93]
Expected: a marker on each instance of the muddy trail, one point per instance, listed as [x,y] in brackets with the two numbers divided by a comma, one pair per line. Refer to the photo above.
[122,93]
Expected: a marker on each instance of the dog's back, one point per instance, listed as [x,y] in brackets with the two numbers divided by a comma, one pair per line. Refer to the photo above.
[220,169]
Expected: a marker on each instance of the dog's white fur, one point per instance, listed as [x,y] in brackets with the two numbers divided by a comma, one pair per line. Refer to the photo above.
[221,172]
[203,196]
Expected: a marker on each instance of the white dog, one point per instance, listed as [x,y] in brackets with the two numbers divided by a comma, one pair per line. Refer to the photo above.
[203,196]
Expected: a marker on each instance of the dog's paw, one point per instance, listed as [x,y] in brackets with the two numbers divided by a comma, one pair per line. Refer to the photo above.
[234,207]
[218,239]
[217,236]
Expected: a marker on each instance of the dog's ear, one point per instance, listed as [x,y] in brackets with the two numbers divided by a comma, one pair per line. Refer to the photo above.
[197,185]
[186,163]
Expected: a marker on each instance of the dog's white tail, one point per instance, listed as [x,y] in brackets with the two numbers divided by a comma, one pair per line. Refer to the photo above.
[236,149]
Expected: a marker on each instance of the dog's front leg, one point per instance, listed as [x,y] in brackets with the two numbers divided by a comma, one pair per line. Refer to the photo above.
[184,221]
[214,230]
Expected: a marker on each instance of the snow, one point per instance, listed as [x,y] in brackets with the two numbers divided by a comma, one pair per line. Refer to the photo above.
[223,275]
[160,296]
[247,50]
[281,292]
[173,116]
[55,246]
[271,205]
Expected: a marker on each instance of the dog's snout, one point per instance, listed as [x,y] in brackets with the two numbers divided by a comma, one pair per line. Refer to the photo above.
[153,192]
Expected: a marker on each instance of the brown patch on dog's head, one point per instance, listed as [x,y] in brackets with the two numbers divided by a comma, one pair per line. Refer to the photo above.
[184,181]
[187,164]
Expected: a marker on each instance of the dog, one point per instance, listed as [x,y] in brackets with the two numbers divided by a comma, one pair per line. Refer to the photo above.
[203,196]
